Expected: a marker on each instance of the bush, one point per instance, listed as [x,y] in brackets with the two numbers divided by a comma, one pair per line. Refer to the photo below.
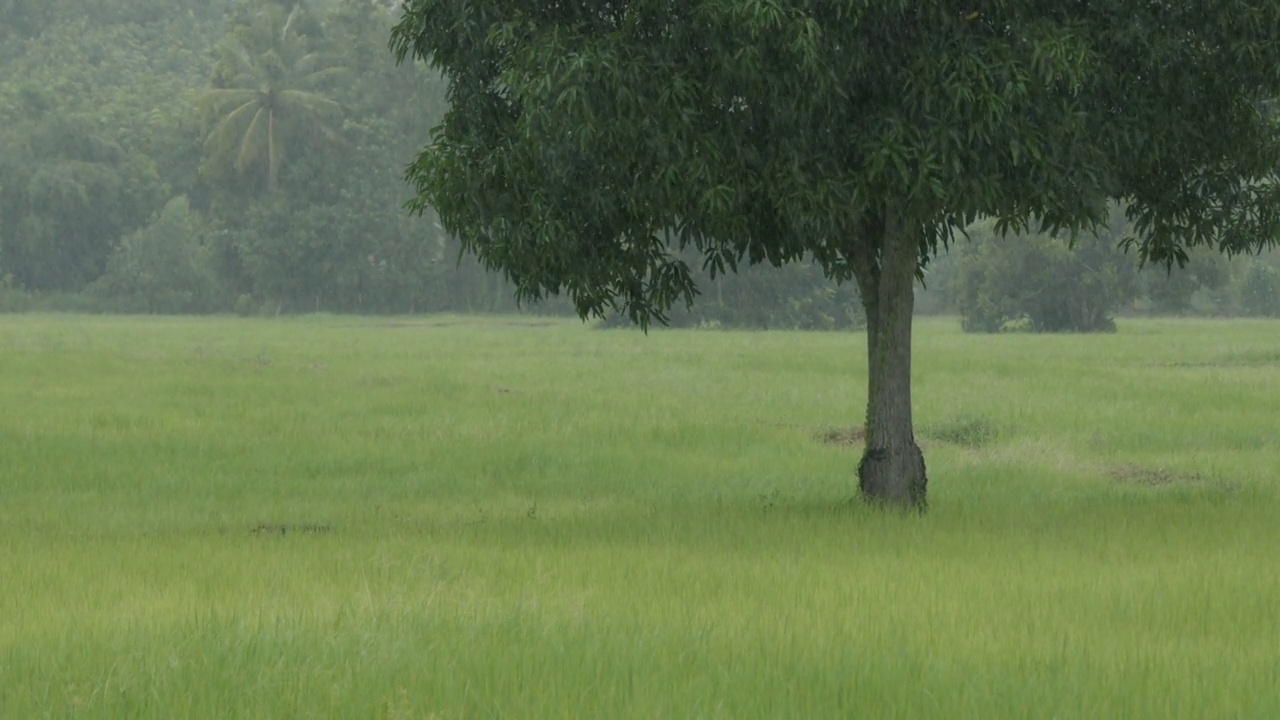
[336,258]
[1171,291]
[12,299]
[163,268]
[1042,283]
[792,297]
[1260,291]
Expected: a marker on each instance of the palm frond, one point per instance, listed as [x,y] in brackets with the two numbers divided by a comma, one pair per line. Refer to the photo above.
[306,64]
[322,76]
[219,99]
[248,147]
[293,14]
[313,102]
[222,132]
[330,134]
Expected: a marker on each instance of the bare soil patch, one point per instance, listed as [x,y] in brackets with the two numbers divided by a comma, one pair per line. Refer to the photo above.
[286,528]
[1163,477]
[431,324]
[966,432]
[855,435]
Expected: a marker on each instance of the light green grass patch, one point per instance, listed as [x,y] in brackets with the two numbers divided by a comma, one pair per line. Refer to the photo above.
[463,517]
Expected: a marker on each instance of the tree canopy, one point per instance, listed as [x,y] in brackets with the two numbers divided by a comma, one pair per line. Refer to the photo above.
[587,143]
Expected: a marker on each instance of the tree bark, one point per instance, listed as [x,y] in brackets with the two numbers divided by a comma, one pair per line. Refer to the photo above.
[892,471]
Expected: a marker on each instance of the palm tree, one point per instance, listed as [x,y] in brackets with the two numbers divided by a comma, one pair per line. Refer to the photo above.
[267,101]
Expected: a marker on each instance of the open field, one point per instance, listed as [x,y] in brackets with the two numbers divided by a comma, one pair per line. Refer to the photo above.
[514,518]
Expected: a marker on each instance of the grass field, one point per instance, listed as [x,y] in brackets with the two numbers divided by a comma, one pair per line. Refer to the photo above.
[509,518]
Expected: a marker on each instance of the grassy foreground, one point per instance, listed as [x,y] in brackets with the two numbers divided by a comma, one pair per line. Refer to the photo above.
[507,518]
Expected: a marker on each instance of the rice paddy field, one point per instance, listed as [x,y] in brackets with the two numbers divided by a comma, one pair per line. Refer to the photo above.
[458,517]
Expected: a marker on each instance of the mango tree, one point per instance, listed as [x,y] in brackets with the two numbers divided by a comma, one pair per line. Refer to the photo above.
[588,142]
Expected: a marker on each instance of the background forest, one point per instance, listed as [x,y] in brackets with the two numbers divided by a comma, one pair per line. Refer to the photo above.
[197,156]
[209,157]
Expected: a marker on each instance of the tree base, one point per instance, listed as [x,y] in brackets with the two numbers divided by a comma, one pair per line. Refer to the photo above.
[894,478]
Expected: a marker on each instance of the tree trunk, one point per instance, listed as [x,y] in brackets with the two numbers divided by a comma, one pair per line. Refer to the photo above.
[892,471]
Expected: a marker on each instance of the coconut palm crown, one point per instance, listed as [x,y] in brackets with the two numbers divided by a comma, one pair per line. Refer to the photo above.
[268,95]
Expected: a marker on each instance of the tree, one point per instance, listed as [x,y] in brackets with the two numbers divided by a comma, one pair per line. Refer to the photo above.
[334,241]
[584,137]
[261,100]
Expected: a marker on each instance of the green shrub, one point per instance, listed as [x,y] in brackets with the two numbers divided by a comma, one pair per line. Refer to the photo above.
[792,297]
[1041,283]
[1260,291]
[1172,291]
[163,268]
[246,306]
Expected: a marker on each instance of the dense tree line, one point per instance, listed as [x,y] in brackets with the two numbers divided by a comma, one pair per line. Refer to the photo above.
[189,156]
[199,157]
[1041,282]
